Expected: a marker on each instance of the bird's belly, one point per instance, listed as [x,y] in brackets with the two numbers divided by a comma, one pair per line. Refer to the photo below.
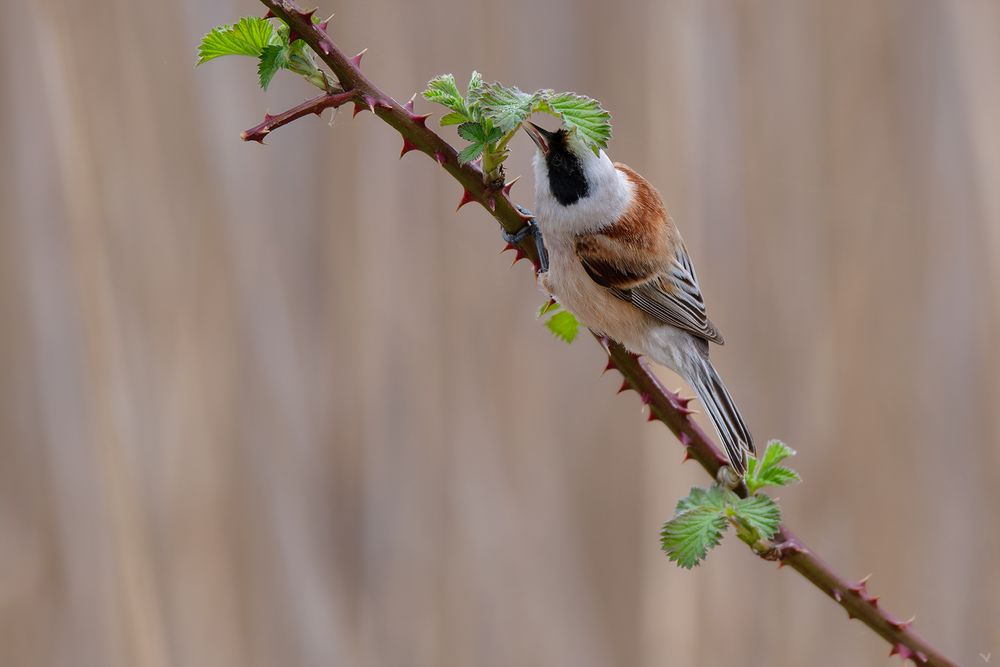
[594,305]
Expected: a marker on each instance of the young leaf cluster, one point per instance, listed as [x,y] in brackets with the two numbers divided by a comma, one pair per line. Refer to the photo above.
[272,46]
[702,518]
[489,114]
[562,323]
[769,471]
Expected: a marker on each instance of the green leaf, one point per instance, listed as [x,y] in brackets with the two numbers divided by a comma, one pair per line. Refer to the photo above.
[247,37]
[767,471]
[564,326]
[442,90]
[272,59]
[475,86]
[715,497]
[584,114]
[777,476]
[452,119]
[760,514]
[470,153]
[688,536]
[506,107]
[776,452]
[472,132]
[549,306]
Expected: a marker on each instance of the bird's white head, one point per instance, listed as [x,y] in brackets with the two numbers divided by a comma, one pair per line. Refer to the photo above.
[576,190]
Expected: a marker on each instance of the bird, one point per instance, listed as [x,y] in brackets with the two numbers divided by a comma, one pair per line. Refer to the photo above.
[616,260]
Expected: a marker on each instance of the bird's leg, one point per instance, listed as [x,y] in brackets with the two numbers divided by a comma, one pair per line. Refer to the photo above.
[530,229]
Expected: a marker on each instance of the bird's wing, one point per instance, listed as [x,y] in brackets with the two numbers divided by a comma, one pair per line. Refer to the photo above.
[669,293]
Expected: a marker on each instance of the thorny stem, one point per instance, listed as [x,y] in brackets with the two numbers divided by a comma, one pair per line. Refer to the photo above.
[664,405]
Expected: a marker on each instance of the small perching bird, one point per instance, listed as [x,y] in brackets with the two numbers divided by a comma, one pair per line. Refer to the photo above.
[617,261]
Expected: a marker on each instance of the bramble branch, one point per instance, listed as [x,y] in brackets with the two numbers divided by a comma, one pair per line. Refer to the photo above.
[664,405]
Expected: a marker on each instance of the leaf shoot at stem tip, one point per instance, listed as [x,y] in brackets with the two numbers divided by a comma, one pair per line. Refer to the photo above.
[497,111]
[701,519]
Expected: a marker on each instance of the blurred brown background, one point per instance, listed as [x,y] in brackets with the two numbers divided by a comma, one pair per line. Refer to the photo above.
[282,406]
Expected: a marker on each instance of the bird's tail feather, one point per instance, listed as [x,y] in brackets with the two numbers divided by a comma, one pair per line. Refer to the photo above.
[725,416]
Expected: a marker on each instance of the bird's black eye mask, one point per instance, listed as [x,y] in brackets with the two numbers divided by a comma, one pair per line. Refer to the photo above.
[566,178]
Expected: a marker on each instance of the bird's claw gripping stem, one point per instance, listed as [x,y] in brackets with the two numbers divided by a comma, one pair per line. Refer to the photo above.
[530,229]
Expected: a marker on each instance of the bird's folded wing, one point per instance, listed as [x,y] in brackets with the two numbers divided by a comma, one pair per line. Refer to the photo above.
[669,293]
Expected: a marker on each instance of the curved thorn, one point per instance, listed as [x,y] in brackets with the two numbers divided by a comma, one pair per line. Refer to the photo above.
[409,104]
[407,147]
[356,60]
[507,186]
[625,386]
[440,157]
[420,119]
[466,198]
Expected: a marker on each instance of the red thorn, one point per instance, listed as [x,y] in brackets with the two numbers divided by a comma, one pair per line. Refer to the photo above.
[651,417]
[409,104]
[407,147]
[382,104]
[873,600]
[268,117]
[370,102]
[466,198]
[518,257]
[509,185]
[325,23]
[356,60]
[269,15]
[610,366]
[509,246]
[420,119]
[292,35]
[440,157]
[902,625]
[905,652]
[491,203]
[258,137]
[625,386]
[358,108]
[645,398]
[688,457]
[684,401]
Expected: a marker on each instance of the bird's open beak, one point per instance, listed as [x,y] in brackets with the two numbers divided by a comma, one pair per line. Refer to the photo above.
[538,135]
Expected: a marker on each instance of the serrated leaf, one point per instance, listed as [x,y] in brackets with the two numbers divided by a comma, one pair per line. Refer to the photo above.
[273,58]
[452,119]
[475,85]
[759,513]
[564,326]
[767,471]
[714,497]
[777,476]
[442,90]
[688,536]
[776,452]
[506,107]
[591,121]
[472,132]
[247,37]
[470,153]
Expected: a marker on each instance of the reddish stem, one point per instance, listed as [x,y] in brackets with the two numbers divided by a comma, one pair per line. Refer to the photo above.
[316,105]
[664,405]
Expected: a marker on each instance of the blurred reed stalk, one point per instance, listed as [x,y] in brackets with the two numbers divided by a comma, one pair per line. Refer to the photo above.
[665,406]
